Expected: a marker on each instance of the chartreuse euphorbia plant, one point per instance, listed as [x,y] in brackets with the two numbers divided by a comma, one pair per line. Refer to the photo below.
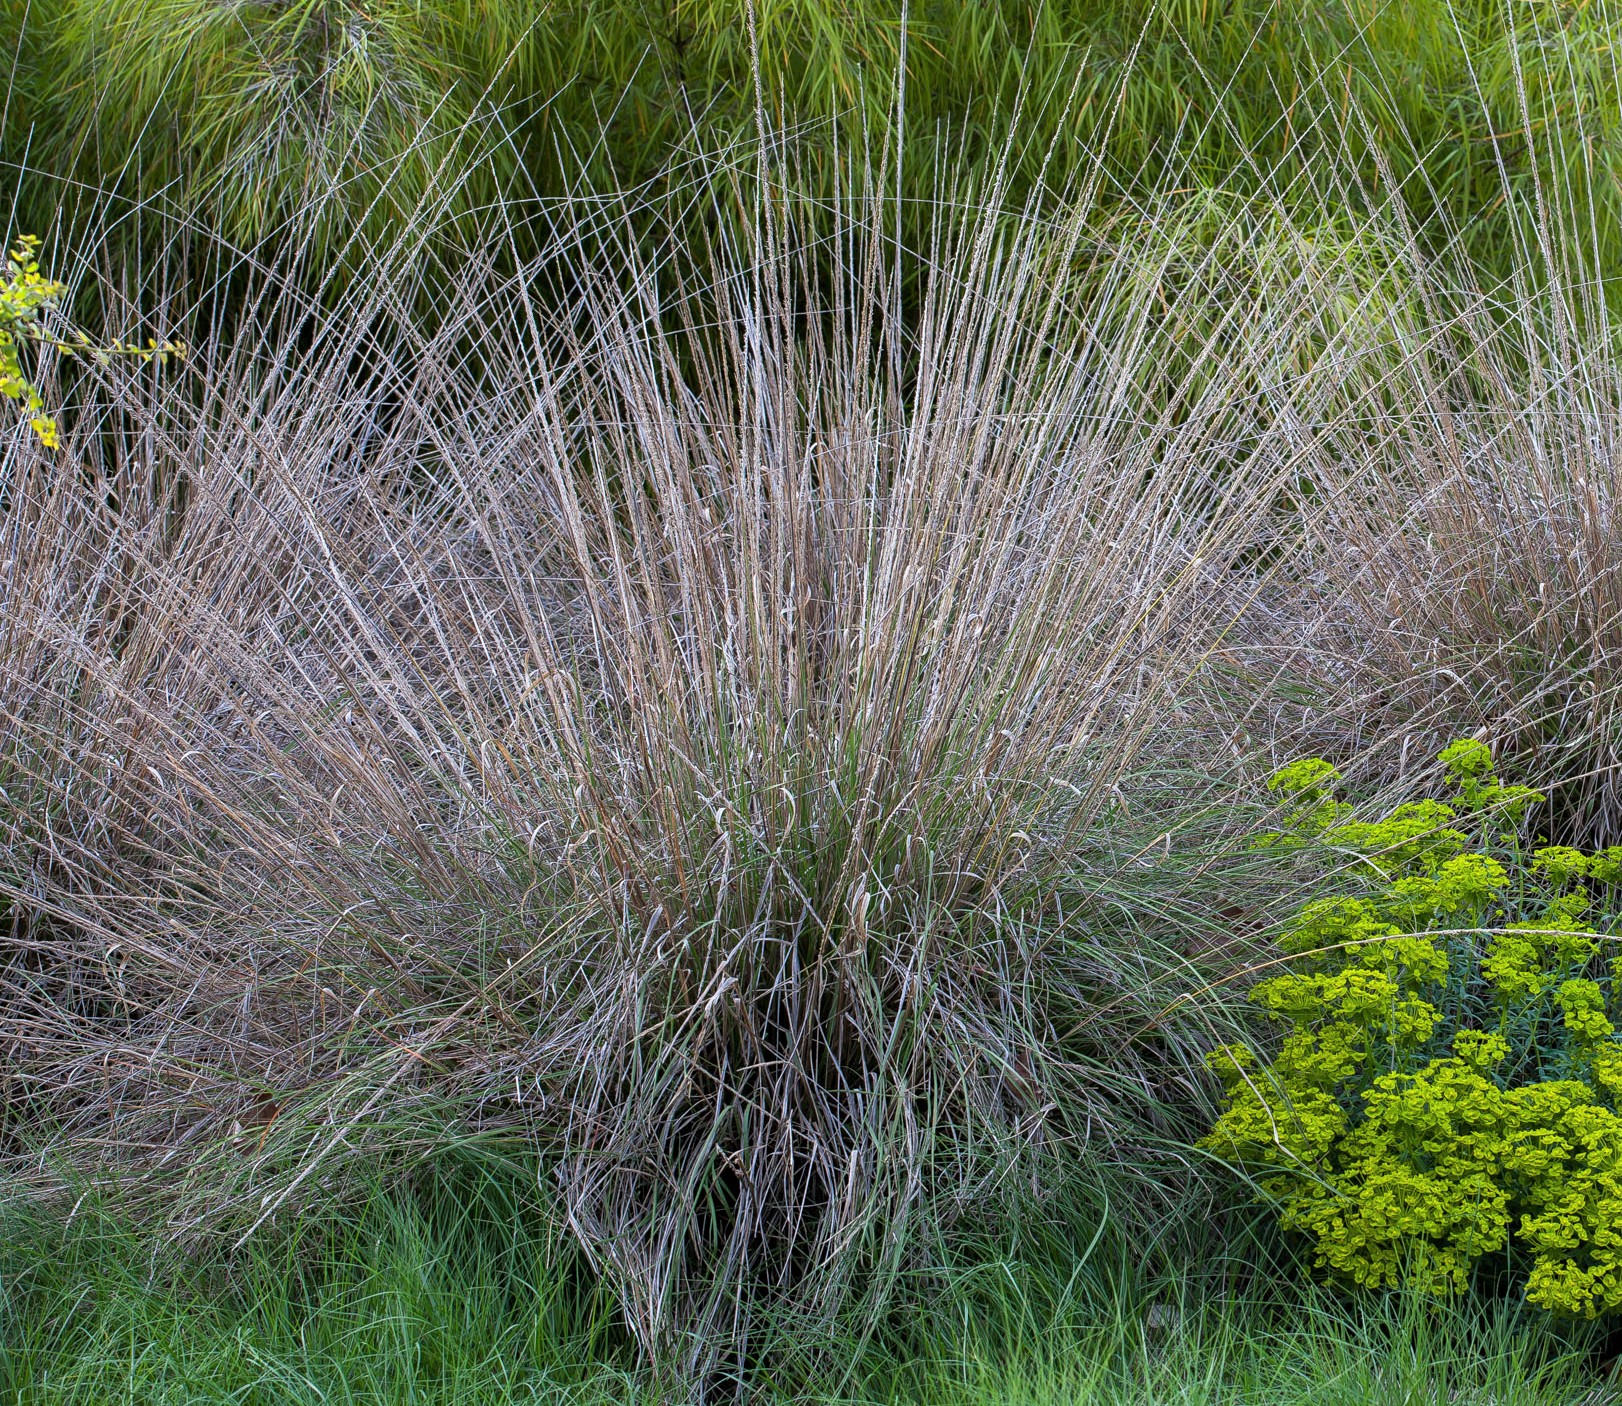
[1448,1084]
[25,293]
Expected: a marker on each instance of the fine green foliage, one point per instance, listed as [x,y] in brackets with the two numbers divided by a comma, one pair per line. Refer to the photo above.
[1448,1087]
[237,116]
[242,116]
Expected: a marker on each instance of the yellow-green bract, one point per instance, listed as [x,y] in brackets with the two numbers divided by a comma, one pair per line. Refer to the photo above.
[25,293]
[1448,1087]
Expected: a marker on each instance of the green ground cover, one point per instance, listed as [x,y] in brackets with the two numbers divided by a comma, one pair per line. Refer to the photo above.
[456,1298]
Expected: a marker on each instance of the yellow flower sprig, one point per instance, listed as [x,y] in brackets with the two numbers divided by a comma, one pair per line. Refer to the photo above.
[25,294]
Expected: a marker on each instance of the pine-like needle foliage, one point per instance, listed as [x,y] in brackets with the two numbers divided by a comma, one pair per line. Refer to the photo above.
[237,115]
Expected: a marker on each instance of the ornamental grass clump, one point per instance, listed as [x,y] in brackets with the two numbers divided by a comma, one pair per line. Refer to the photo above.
[1448,1089]
[682,734]
[1463,576]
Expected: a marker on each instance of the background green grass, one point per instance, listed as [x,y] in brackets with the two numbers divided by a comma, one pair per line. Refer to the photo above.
[317,119]
[449,1294]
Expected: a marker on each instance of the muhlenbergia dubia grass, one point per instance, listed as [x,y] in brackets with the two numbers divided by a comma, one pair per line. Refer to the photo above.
[727,708]
[682,725]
